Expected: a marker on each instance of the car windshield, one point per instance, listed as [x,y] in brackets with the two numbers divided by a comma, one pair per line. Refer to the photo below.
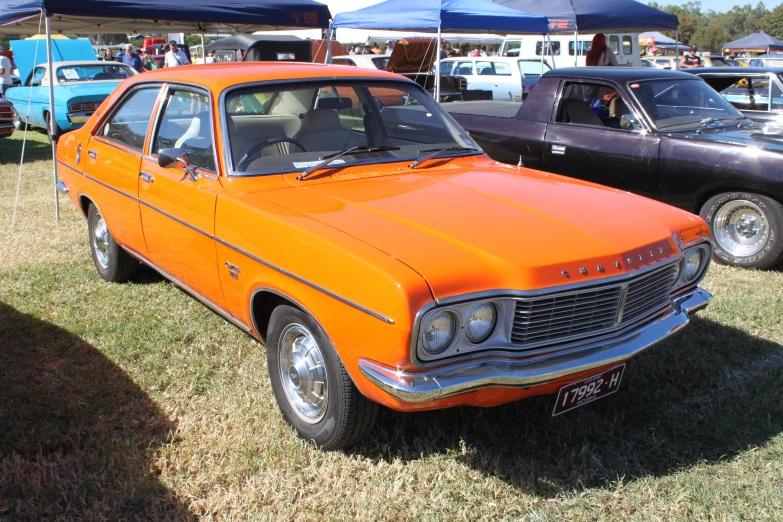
[92,73]
[274,129]
[682,103]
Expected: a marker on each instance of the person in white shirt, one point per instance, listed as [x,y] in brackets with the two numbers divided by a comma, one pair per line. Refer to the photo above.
[389,47]
[175,57]
[5,73]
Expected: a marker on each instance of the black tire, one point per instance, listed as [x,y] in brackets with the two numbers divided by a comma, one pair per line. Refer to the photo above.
[112,262]
[348,416]
[54,134]
[753,214]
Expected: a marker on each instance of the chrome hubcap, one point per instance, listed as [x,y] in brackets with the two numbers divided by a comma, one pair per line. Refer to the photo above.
[302,373]
[100,241]
[741,228]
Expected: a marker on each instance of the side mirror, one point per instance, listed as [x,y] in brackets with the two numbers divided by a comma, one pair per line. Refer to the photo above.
[169,157]
[629,122]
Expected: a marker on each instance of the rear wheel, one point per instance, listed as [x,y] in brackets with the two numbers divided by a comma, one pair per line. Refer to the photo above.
[54,134]
[746,229]
[112,262]
[310,383]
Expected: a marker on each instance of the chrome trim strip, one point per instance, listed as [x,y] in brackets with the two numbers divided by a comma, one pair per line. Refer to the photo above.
[416,387]
[206,302]
[111,143]
[306,282]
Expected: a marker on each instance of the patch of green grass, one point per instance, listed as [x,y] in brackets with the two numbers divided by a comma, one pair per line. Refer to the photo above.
[135,402]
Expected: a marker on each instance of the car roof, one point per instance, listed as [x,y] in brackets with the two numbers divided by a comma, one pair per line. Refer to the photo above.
[489,58]
[219,76]
[79,63]
[736,71]
[617,73]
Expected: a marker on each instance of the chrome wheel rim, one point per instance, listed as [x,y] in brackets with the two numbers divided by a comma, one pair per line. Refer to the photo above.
[303,373]
[741,228]
[100,240]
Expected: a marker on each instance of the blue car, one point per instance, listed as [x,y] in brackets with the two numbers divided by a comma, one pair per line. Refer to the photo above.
[80,87]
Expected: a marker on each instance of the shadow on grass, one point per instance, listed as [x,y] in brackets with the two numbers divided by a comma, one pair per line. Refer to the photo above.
[37,148]
[77,435]
[704,395]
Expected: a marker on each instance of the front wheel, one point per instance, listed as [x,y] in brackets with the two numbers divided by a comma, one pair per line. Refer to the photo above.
[113,263]
[310,383]
[746,229]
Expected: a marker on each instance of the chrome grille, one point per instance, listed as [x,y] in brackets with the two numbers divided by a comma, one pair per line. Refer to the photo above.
[553,319]
[649,293]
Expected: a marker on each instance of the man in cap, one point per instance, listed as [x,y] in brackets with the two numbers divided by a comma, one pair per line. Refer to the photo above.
[389,47]
[5,73]
[690,60]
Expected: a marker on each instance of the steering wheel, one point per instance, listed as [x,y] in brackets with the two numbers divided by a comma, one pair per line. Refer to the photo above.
[245,161]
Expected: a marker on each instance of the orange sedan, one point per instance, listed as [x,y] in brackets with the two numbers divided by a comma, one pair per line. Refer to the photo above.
[342,218]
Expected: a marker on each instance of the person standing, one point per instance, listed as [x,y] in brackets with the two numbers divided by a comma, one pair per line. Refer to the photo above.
[147,60]
[108,55]
[690,60]
[119,56]
[389,47]
[175,57]
[600,54]
[132,59]
[5,73]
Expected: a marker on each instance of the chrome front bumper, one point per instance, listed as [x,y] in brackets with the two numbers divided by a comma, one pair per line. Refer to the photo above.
[446,381]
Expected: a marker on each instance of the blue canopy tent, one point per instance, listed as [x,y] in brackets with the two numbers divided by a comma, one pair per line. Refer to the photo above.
[158,16]
[758,42]
[597,15]
[464,16]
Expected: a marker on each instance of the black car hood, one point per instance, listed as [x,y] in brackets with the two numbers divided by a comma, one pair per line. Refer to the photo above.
[768,137]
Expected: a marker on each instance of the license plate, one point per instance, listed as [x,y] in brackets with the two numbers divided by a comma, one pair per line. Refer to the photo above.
[587,390]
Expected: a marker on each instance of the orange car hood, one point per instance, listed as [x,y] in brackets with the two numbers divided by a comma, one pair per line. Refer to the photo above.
[468,230]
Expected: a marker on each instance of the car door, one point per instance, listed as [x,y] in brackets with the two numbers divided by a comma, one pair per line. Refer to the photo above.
[585,139]
[178,210]
[112,157]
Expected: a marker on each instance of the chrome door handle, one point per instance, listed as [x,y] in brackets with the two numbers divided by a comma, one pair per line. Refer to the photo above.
[93,154]
[146,176]
[559,150]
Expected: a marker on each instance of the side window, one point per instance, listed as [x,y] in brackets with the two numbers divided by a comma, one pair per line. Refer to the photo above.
[187,122]
[582,47]
[532,67]
[38,76]
[463,69]
[544,46]
[502,69]
[446,67]
[130,123]
[513,47]
[627,45]
[591,104]
[614,44]
[484,68]
[343,61]
[777,97]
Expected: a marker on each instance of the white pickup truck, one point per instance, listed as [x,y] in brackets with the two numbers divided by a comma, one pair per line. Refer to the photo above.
[509,78]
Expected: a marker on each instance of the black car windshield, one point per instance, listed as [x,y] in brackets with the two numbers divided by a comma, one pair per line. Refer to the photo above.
[291,128]
[682,103]
[94,73]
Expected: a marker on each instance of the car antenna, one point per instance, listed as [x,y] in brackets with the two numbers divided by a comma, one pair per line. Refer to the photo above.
[520,164]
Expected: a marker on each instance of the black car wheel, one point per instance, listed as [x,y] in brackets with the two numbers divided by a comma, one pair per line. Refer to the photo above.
[113,263]
[54,134]
[311,386]
[746,229]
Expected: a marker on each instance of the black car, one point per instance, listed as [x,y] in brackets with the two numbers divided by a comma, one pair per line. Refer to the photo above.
[756,91]
[666,135]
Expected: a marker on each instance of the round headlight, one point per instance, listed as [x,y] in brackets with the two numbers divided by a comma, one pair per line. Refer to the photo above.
[480,323]
[693,264]
[438,332]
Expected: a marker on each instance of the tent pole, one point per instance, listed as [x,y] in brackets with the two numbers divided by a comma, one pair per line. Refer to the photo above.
[437,66]
[542,56]
[52,122]
[549,50]
[677,47]
[329,44]
[576,48]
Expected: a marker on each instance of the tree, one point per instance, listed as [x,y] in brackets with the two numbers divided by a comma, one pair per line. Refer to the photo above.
[689,16]
[710,38]
[772,24]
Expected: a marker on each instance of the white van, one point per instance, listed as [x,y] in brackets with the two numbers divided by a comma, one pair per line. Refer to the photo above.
[624,45]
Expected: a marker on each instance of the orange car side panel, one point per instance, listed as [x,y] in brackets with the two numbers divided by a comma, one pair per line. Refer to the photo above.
[115,169]
[178,217]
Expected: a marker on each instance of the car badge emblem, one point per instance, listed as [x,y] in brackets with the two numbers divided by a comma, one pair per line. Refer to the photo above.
[565,273]
[233,270]
[660,250]
[600,268]
[630,261]
[617,264]
[651,254]
[640,257]
[582,270]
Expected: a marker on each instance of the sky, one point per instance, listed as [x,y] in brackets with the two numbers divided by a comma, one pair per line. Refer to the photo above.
[338,6]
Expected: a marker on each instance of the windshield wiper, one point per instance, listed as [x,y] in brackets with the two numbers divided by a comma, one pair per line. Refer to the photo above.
[359,149]
[435,152]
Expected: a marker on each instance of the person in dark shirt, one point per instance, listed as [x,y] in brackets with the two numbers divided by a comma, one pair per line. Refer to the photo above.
[690,60]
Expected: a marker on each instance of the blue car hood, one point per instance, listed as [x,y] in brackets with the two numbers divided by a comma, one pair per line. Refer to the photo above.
[29,53]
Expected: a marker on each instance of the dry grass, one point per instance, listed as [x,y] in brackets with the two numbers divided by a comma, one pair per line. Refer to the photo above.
[135,402]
